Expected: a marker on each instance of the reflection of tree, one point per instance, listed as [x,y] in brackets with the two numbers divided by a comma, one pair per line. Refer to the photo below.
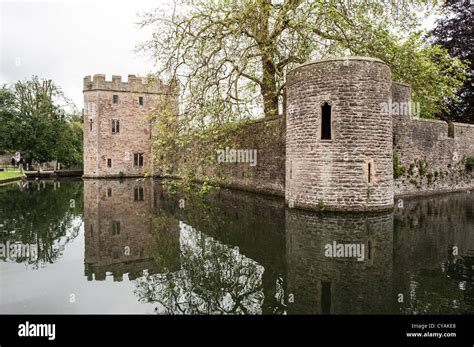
[461,269]
[433,292]
[164,227]
[213,279]
[254,223]
[41,214]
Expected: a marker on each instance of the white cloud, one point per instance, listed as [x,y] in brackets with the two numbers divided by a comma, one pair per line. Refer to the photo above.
[66,40]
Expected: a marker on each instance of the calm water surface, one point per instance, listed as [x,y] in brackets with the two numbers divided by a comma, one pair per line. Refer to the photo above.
[134,246]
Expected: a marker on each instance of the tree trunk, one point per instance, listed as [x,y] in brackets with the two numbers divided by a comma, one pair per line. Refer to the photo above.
[268,89]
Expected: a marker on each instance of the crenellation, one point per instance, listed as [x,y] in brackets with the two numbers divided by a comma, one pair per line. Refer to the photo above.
[355,169]
[117,127]
[116,79]
[135,84]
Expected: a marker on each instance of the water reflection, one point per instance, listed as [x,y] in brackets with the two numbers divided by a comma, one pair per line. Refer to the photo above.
[433,252]
[331,285]
[213,279]
[217,263]
[149,249]
[40,218]
[118,231]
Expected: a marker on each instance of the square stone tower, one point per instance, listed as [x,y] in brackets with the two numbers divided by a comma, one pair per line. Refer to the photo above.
[118,127]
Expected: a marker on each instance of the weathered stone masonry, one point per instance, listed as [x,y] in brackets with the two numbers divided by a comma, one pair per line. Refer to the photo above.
[352,170]
[109,153]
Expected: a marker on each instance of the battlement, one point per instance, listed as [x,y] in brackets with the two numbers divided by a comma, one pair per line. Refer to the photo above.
[134,84]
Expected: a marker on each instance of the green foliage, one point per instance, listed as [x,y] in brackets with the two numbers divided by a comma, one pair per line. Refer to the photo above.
[433,75]
[231,57]
[40,216]
[470,163]
[429,176]
[33,123]
[451,30]
[422,167]
[321,206]
[398,168]
[230,60]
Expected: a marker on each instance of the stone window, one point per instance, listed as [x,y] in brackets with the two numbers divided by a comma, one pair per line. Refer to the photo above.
[109,192]
[138,194]
[369,172]
[326,121]
[116,254]
[138,159]
[451,129]
[109,162]
[115,126]
[115,99]
[140,100]
[90,124]
[115,227]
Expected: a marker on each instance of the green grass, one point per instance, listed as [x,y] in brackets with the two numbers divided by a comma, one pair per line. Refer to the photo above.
[9,174]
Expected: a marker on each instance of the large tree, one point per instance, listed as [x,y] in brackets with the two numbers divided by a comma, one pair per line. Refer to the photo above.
[33,121]
[9,117]
[454,31]
[232,56]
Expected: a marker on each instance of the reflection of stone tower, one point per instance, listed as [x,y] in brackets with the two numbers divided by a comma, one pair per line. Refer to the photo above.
[332,285]
[119,237]
[117,132]
[339,142]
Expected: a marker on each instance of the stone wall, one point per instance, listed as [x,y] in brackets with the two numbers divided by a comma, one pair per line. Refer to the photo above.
[133,247]
[266,136]
[351,171]
[135,135]
[352,286]
[430,160]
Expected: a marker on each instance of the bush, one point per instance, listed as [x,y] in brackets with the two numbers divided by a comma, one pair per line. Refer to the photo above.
[398,169]
[470,163]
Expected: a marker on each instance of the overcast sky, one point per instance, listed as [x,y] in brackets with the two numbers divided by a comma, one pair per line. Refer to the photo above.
[67,40]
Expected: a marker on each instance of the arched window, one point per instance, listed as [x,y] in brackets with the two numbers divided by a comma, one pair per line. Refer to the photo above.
[326,121]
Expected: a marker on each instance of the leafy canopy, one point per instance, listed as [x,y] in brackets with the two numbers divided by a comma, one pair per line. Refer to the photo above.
[33,121]
[231,56]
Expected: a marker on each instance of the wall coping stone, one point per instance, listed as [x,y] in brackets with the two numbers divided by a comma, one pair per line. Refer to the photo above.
[353,58]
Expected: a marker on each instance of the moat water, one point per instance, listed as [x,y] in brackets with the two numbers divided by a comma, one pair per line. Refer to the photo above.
[136,246]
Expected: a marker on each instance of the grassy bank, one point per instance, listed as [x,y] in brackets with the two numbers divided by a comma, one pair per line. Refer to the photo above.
[9,174]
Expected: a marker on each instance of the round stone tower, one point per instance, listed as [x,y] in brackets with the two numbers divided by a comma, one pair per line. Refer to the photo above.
[339,139]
